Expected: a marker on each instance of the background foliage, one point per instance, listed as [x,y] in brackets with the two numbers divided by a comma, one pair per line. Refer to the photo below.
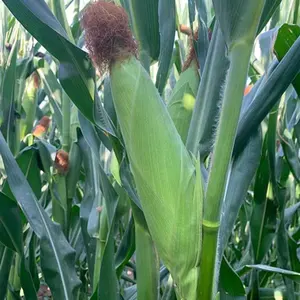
[71,226]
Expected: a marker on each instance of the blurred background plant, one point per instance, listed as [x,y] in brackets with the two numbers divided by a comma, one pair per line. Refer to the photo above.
[64,160]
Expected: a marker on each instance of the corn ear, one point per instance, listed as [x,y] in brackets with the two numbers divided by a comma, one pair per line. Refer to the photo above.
[167,181]
[29,104]
[182,101]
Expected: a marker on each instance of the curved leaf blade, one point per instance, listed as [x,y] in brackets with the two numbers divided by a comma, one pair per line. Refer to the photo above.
[146,25]
[230,281]
[290,274]
[243,170]
[286,37]
[61,276]
[267,96]
[10,224]
[75,67]
[268,11]
[167,27]
[208,98]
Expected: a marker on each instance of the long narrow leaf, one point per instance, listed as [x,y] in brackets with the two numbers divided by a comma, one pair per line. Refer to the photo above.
[208,99]
[59,270]
[269,93]
[243,170]
[75,68]
[167,12]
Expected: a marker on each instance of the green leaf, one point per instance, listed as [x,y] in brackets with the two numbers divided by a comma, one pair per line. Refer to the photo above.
[8,98]
[182,100]
[192,11]
[5,265]
[290,274]
[86,205]
[202,43]
[270,7]
[10,224]
[242,172]
[101,117]
[279,195]
[58,269]
[206,109]
[146,261]
[263,219]
[47,155]
[286,37]
[167,12]
[53,90]
[271,148]
[290,152]
[290,212]
[30,256]
[284,258]
[28,163]
[269,293]
[145,21]
[27,282]
[90,135]
[107,286]
[230,280]
[275,84]
[9,79]
[11,233]
[108,102]
[293,249]
[59,11]
[76,73]
[128,182]
[130,293]
[146,255]
[75,159]
[126,248]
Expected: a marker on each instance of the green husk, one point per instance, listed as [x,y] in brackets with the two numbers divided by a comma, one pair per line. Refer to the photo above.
[168,180]
[182,101]
[29,105]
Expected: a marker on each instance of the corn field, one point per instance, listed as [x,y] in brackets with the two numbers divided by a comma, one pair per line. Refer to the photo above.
[149,149]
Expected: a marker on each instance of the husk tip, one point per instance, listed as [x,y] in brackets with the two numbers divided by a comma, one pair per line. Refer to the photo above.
[107,34]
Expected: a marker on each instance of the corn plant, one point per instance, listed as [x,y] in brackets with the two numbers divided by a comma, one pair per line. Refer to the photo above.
[149,149]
